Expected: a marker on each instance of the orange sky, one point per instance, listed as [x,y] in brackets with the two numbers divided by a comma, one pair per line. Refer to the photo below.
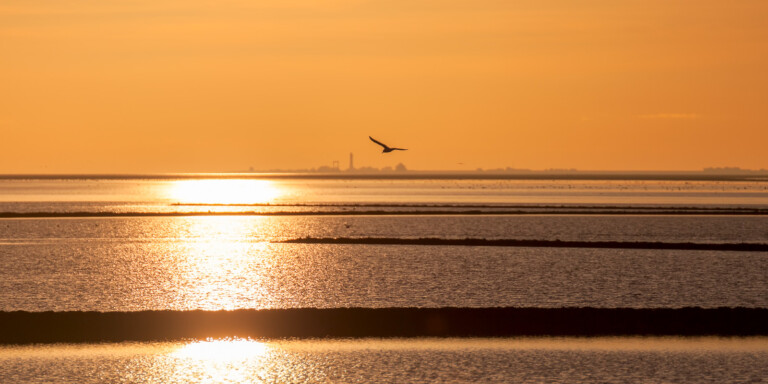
[185,86]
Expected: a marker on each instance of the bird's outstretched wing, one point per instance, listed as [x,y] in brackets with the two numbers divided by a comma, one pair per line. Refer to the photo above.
[399,149]
[378,142]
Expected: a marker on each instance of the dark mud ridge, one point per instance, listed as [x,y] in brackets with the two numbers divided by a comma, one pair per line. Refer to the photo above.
[51,327]
[749,247]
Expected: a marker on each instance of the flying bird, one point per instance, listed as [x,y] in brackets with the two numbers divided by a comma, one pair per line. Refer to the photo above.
[387,148]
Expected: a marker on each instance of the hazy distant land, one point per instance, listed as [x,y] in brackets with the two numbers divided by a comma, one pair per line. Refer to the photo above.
[401,172]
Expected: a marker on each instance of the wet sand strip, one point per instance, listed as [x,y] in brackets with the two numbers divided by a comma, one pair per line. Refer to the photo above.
[53,327]
[745,247]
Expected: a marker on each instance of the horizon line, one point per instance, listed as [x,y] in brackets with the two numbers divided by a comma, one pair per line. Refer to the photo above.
[371,170]
[517,174]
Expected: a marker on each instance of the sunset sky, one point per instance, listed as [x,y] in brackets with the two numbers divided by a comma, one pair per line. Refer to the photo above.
[207,86]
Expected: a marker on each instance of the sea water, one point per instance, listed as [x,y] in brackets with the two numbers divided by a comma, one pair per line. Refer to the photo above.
[117,244]
[227,269]
[506,360]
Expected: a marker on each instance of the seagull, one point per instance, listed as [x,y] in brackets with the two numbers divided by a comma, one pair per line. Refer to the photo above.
[386,149]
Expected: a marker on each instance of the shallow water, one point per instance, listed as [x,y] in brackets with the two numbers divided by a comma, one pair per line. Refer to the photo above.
[523,360]
[225,263]
[663,228]
[151,195]
[228,262]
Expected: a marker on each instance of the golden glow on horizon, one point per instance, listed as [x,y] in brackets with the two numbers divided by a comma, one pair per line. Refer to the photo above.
[223,191]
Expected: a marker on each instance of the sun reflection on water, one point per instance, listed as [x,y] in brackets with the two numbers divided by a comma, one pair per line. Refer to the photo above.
[224,265]
[222,350]
[227,191]
[219,361]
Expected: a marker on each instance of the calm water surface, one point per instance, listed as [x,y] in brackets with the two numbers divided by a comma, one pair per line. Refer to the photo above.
[663,228]
[210,264]
[141,195]
[228,262]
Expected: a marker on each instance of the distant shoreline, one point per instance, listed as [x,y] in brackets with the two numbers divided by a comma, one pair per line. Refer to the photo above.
[752,176]
[54,327]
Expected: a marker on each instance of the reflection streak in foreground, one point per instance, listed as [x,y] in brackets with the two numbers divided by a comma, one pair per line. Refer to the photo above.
[219,266]
[632,359]
[225,360]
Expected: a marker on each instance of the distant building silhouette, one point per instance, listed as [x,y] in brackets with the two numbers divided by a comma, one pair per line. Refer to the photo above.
[351,162]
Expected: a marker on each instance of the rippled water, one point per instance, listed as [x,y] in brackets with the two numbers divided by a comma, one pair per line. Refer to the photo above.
[227,262]
[524,360]
[224,263]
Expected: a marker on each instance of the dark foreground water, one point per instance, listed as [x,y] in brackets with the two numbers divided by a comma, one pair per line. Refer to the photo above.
[510,360]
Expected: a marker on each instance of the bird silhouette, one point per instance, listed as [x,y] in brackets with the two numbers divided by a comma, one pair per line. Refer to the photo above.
[387,148]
